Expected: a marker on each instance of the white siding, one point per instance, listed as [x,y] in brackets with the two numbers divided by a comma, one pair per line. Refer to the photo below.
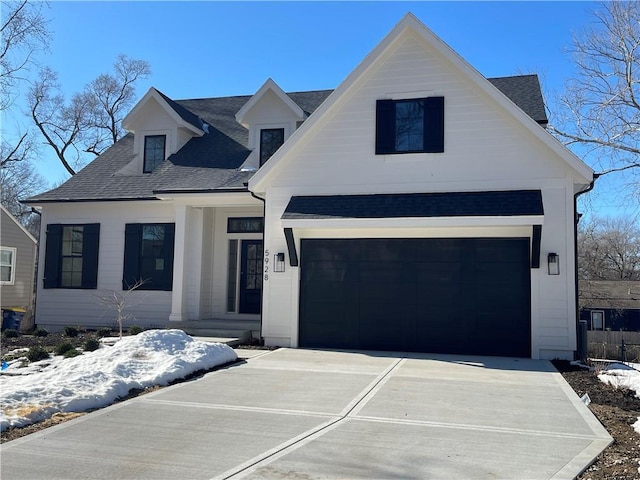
[59,307]
[485,149]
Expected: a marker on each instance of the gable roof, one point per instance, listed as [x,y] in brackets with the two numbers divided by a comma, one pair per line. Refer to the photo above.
[272,86]
[18,224]
[181,115]
[211,161]
[407,26]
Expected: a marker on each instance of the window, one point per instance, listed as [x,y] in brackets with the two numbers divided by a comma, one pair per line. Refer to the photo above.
[271,139]
[245,225]
[410,126]
[153,152]
[232,276]
[597,320]
[7,265]
[148,256]
[71,256]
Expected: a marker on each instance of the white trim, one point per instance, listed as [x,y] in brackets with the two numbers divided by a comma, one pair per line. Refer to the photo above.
[412,222]
[603,320]
[15,220]
[12,277]
[155,94]
[407,26]
[273,86]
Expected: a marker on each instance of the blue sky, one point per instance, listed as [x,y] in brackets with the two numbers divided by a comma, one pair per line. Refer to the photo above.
[208,49]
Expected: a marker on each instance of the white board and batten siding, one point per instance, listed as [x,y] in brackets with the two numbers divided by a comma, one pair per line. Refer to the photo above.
[485,149]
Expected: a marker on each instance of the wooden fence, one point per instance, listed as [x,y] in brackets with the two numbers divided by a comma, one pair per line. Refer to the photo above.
[608,344]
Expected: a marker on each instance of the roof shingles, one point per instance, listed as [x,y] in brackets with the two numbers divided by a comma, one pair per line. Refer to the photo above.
[212,162]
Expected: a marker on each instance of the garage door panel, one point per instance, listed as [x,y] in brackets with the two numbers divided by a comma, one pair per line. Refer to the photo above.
[434,295]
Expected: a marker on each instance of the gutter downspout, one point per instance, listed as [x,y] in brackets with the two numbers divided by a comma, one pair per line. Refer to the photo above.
[264,208]
[576,218]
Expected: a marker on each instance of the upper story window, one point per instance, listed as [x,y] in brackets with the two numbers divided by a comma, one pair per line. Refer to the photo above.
[271,139]
[7,265]
[154,148]
[71,256]
[410,126]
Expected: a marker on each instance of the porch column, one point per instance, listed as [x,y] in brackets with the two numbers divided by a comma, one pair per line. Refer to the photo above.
[178,310]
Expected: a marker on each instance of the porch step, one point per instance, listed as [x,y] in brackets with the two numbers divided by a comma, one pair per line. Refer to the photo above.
[237,331]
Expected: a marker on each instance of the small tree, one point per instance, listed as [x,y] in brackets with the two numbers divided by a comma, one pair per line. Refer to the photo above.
[118,302]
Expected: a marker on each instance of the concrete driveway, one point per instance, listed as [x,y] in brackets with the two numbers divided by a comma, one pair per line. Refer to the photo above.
[305,414]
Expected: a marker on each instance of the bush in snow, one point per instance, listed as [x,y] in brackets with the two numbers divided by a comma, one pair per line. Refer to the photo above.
[70,331]
[10,333]
[63,348]
[134,330]
[41,332]
[91,345]
[35,354]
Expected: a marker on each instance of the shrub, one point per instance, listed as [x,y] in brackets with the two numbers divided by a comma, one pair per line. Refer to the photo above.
[72,353]
[10,333]
[134,330]
[91,344]
[70,331]
[103,332]
[41,332]
[63,348]
[36,354]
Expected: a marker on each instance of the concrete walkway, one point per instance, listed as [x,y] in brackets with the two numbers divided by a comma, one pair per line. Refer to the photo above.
[329,414]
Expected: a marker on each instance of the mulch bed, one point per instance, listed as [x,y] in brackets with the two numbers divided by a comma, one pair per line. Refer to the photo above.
[617,410]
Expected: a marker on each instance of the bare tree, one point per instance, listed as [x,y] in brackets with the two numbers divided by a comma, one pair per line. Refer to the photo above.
[19,179]
[609,249]
[600,108]
[90,121]
[120,303]
[23,34]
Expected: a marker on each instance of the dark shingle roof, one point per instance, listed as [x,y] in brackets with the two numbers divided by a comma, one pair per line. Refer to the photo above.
[416,205]
[212,162]
[524,91]
[622,294]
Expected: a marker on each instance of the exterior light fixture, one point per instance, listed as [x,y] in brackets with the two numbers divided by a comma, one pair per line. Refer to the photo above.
[278,262]
[553,261]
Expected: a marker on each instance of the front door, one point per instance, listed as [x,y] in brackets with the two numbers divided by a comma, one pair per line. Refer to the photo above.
[250,276]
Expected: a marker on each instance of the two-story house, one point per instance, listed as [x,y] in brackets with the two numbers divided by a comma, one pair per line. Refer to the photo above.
[419,206]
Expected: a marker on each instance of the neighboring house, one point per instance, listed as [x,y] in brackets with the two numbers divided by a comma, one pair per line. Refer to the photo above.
[419,206]
[610,304]
[17,266]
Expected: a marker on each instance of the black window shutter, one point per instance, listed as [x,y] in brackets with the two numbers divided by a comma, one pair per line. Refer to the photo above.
[90,245]
[385,126]
[169,246]
[434,125]
[53,249]
[132,245]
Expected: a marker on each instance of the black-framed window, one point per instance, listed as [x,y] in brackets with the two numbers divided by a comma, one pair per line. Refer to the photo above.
[71,256]
[410,126]
[245,225]
[154,151]
[271,139]
[148,256]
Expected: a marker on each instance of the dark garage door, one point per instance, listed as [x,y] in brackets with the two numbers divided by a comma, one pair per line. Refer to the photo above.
[465,296]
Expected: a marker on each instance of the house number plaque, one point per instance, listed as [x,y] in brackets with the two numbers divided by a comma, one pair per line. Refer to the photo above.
[266,265]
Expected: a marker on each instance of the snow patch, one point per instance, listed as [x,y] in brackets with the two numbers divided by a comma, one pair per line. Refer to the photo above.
[96,379]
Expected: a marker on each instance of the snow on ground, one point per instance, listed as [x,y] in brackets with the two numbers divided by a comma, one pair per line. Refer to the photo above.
[96,379]
[621,375]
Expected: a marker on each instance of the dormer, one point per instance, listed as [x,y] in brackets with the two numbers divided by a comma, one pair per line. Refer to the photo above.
[161,127]
[271,117]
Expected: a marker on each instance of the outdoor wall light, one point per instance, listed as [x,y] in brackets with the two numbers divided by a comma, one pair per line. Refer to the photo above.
[278,262]
[553,261]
